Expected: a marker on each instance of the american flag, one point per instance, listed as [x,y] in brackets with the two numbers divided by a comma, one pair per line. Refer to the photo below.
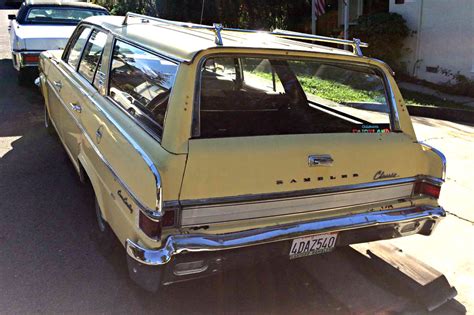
[319,7]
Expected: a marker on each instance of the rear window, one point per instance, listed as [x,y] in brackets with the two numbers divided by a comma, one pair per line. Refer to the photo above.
[59,15]
[250,96]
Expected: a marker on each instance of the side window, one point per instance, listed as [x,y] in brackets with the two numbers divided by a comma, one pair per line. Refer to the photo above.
[99,77]
[92,55]
[74,54]
[141,83]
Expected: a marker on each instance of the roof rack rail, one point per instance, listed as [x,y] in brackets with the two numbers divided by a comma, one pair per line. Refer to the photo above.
[355,43]
[145,19]
[217,28]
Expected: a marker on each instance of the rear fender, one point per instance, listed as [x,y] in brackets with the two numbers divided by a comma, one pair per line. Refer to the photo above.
[86,170]
[437,161]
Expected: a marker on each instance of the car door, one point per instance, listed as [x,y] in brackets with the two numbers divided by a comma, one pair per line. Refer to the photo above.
[60,95]
[77,89]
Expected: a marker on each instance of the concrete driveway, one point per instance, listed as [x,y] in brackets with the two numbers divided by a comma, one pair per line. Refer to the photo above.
[51,261]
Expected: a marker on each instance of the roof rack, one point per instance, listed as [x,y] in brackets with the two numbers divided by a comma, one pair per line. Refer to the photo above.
[356,44]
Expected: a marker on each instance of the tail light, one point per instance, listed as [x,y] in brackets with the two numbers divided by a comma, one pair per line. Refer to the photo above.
[153,228]
[150,227]
[428,189]
[168,218]
[30,58]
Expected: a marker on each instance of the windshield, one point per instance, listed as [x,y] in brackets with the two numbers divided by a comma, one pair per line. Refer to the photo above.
[249,96]
[60,15]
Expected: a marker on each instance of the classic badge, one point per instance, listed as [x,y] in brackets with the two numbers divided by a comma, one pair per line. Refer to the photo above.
[383,175]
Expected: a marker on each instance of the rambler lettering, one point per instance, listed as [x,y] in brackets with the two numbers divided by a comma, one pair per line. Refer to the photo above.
[382,175]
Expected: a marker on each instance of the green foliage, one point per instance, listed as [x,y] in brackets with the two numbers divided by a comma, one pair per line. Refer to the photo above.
[332,90]
[121,7]
[462,86]
[255,14]
[385,33]
[341,93]
[337,92]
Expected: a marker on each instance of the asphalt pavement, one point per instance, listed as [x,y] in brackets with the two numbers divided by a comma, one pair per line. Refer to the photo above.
[51,260]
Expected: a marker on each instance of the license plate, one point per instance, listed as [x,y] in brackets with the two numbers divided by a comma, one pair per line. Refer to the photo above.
[312,245]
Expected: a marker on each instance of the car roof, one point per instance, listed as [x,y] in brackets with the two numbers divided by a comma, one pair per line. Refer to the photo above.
[184,43]
[63,3]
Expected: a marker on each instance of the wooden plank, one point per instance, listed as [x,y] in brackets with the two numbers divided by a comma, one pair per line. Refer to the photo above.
[427,285]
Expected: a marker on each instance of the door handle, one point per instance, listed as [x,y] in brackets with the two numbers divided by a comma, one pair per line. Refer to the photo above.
[76,107]
[98,134]
[58,85]
[320,160]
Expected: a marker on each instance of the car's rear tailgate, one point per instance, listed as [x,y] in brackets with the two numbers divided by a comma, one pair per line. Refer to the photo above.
[250,177]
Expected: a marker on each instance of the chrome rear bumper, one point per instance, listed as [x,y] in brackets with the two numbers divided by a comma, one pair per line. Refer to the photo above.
[178,244]
[210,253]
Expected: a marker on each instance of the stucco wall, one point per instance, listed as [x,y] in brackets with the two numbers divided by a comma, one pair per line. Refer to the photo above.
[443,39]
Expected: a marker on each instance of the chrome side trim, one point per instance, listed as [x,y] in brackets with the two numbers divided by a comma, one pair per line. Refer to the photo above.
[432,180]
[395,121]
[298,193]
[441,156]
[154,214]
[179,244]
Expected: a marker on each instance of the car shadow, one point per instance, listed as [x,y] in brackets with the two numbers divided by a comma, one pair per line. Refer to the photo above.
[51,260]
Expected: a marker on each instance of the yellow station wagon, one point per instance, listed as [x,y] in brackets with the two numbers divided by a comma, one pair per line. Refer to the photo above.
[210,148]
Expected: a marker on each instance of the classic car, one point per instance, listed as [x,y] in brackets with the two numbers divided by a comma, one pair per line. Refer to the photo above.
[211,148]
[41,25]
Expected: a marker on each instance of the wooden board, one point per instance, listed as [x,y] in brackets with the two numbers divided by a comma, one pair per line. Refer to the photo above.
[429,286]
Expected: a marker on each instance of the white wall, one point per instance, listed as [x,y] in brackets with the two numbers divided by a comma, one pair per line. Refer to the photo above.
[444,37]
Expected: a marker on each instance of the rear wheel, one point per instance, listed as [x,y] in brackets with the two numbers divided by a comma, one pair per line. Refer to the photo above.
[107,240]
[47,122]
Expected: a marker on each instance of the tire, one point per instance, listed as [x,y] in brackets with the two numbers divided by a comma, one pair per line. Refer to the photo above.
[106,237]
[47,122]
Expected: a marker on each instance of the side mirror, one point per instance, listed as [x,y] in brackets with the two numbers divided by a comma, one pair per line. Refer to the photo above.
[11,16]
